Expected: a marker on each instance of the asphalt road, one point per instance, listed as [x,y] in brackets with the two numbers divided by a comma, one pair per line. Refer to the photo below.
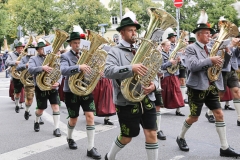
[18,140]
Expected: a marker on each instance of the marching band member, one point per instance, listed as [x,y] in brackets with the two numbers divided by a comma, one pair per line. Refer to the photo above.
[34,68]
[172,38]
[72,101]
[131,114]
[201,90]
[18,86]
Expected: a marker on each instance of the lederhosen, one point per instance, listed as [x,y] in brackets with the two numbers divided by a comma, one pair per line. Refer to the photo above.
[16,82]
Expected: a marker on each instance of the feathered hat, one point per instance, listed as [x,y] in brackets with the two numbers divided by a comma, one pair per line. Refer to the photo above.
[77,33]
[202,22]
[129,19]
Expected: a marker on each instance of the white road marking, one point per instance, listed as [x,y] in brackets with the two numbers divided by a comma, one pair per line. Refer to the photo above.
[51,143]
[177,157]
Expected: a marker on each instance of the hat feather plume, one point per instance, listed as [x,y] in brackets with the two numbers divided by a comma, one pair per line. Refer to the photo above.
[130,14]
[203,17]
[77,28]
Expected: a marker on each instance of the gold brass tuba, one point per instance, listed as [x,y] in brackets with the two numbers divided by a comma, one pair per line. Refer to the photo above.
[14,73]
[227,29]
[148,55]
[81,83]
[46,80]
[180,45]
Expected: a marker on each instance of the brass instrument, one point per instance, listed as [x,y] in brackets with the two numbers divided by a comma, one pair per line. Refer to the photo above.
[111,42]
[46,80]
[227,29]
[148,55]
[26,78]
[180,45]
[13,70]
[81,83]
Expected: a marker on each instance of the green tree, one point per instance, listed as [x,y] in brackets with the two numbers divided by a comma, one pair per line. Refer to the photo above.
[214,8]
[88,14]
[136,6]
[4,22]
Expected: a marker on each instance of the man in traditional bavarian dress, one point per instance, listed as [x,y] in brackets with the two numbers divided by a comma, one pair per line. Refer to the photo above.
[131,114]
[191,40]
[201,90]
[35,67]
[172,38]
[73,102]
[12,61]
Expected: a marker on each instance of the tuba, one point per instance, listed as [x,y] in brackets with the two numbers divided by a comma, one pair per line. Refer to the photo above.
[81,83]
[148,55]
[46,80]
[180,45]
[227,29]
[16,74]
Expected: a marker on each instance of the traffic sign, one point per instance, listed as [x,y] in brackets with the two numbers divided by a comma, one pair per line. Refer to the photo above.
[178,3]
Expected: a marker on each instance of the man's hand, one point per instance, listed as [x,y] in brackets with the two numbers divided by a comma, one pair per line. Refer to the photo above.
[147,90]
[101,74]
[217,60]
[173,61]
[55,85]
[27,65]
[160,74]
[139,69]
[85,68]
[47,68]
[17,62]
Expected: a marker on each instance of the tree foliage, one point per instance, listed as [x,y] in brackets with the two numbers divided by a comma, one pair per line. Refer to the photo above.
[214,8]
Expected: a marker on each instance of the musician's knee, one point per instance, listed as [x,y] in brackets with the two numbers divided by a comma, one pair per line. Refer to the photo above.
[191,119]
[218,114]
[89,118]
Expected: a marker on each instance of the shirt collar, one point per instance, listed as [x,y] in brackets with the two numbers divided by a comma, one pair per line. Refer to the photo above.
[126,44]
[200,44]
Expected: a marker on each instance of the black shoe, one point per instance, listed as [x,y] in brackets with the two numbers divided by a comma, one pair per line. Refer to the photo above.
[186,101]
[160,135]
[72,144]
[228,107]
[36,127]
[106,157]
[229,153]
[57,132]
[93,153]
[41,121]
[210,118]
[108,122]
[21,107]
[26,115]
[182,144]
[17,109]
[179,114]
[238,123]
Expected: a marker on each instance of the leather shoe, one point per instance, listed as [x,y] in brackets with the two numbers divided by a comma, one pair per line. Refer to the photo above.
[41,121]
[108,122]
[93,153]
[182,144]
[179,114]
[238,123]
[106,157]
[36,127]
[210,118]
[229,153]
[186,101]
[228,107]
[26,115]
[17,109]
[57,133]
[160,135]
[72,144]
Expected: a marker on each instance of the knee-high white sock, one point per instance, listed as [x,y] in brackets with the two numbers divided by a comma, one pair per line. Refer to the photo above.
[27,107]
[227,103]
[37,117]
[116,147]
[107,118]
[70,131]
[209,112]
[17,101]
[237,107]
[221,130]
[183,91]
[90,135]
[185,127]
[56,119]
[152,150]
[158,120]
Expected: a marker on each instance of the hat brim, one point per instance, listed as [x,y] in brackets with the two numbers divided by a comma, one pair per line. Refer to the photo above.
[197,29]
[69,40]
[18,46]
[172,36]
[138,26]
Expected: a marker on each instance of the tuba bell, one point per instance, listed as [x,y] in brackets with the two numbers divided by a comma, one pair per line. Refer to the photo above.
[180,45]
[13,70]
[81,83]
[46,80]
[227,29]
[148,55]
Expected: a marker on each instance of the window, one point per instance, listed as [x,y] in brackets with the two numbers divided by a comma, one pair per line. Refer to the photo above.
[114,20]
